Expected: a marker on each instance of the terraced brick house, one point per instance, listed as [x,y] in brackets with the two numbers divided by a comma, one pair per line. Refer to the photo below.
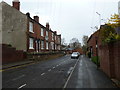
[25,33]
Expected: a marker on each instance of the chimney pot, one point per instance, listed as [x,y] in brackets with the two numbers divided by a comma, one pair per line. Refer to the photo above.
[16,4]
[28,14]
[47,25]
[36,18]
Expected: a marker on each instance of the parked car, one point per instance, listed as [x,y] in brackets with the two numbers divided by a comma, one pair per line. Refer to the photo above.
[75,55]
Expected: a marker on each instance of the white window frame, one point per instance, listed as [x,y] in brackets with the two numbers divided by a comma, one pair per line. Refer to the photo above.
[52,44]
[55,37]
[47,33]
[31,27]
[42,44]
[52,36]
[31,42]
[42,32]
[47,45]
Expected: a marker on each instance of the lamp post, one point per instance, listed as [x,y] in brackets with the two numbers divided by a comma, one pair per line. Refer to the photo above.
[99,17]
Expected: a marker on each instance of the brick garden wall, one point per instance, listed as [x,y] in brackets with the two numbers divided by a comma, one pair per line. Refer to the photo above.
[10,54]
[110,59]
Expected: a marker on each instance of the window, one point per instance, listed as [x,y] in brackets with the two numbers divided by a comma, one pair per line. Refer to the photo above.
[52,36]
[31,43]
[42,32]
[46,45]
[58,47]
[58,39]
[46,37]
[46,33]
[42,44]
[30,27]
[55,37]
[52,44]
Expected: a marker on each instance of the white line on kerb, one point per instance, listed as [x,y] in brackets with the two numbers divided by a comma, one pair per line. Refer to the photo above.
[70,75]
[49,70]
[42,74]
[22,86]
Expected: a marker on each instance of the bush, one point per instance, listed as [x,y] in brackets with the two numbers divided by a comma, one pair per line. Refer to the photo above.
[95,59]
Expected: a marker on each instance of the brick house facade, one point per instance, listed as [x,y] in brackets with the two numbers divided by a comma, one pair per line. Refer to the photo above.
[30,35]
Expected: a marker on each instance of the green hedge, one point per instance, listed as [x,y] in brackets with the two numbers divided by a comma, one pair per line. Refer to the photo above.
[95,59]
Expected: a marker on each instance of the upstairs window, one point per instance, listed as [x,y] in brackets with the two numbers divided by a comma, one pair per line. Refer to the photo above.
[52,36]
[47,33]
[31,27]
[42,32]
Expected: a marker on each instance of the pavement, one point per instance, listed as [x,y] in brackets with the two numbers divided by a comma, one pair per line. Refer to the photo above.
[87,75]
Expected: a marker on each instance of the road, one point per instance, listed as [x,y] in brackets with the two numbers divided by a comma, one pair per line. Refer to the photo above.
[63,72]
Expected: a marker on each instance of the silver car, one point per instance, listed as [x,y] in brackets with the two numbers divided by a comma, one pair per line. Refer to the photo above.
[75,55]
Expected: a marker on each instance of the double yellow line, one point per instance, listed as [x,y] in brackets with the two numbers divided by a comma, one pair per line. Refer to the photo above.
[14,67]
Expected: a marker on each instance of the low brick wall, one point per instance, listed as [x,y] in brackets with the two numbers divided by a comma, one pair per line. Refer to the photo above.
[10,54]
[44,56]
[110,59]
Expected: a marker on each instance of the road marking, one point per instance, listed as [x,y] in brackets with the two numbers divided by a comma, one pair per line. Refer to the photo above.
[69,71]
[17,67]
[53,67]
[49,70]
[57,65]
[22,86]
[18,77]
[70,75]
[42,74]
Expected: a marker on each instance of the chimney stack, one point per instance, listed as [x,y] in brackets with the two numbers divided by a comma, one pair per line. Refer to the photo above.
[55,32]
[47,25]
[36,18]
[16,4]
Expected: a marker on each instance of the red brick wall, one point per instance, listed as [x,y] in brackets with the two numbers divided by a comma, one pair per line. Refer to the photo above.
[10,54]
[110,59]
[92,42]
[117,59]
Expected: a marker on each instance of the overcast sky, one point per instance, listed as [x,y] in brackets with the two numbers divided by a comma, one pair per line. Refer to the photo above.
[70,18]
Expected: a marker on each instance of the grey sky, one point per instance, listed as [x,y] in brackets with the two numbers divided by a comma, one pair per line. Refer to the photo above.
[70,18]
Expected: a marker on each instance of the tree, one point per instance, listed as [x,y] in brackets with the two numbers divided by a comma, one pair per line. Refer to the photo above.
[114,20]
[62,41]
[74,43]
[84,40]
[107,34]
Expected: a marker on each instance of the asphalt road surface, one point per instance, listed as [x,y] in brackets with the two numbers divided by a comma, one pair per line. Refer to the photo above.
[63,72]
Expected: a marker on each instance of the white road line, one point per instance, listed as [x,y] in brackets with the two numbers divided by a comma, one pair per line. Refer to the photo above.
[49,70]
[22,86]
[18,77]
[57,65]
[42,74]
[53,67]
[70,75]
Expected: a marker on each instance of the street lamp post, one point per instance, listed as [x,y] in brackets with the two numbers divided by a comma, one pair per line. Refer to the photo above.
[99,17]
